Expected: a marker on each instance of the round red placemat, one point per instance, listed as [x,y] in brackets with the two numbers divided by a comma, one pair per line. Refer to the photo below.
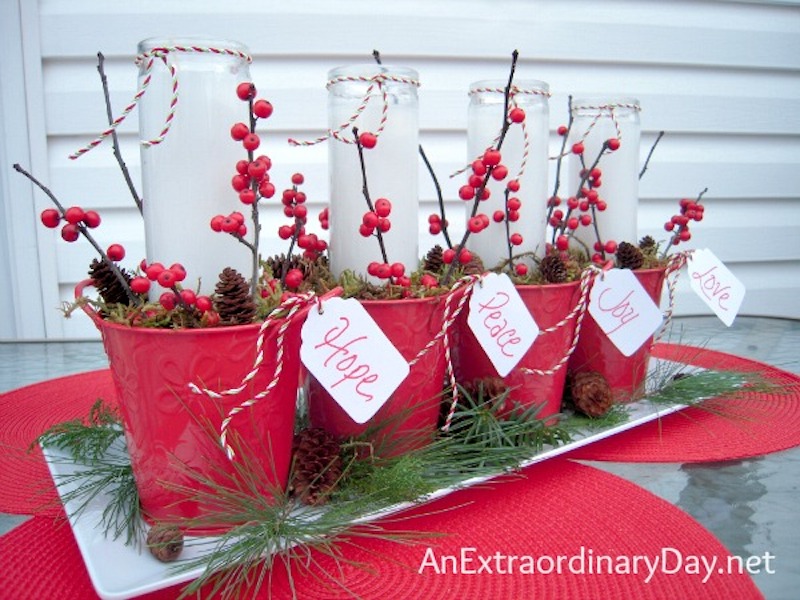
[751,424]
[558,509]
[25,483]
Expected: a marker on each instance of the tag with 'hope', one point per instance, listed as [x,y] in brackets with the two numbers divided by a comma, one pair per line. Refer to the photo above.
[715,284]
[346,351]
[501,322]
[623,310]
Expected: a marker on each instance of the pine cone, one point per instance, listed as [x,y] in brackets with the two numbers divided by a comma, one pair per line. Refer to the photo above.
[485,388]
[106,283]
[296,261]
[553,269]
[165,542]
[629,256]
[434,262]
[591,394]
[317,466]
[648,245]
[474,266]
[233,301]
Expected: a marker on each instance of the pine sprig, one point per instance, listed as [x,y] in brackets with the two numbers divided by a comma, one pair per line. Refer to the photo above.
[89,439]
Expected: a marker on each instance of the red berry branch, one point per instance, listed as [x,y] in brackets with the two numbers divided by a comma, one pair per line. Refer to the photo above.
[77,223]
[373,222]
[294,207]
[586,201]
[251,180]
[678,225]
[476,190]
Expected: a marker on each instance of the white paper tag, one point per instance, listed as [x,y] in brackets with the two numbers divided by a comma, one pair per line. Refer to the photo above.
[715,284]
[501,322]
[351,357]
[623,309]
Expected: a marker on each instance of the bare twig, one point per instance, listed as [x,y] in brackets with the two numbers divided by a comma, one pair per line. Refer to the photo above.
[650,154]
[114,139]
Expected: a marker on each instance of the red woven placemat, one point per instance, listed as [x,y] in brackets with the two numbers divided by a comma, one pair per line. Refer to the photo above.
[751,424]
[559,509]
[25,483]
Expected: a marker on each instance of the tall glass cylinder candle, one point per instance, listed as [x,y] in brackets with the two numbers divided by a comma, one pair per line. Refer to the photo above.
[525,154]
[381,100]
[595,121]
[186,177]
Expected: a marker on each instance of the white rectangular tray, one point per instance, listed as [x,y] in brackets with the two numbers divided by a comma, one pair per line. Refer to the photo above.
[119,572]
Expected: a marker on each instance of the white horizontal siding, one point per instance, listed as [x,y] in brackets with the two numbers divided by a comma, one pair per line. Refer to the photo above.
[722,78]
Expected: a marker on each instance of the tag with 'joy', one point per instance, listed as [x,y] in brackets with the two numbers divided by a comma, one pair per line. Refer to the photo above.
[624,310]
[501,322]
[715,284]
[351,357]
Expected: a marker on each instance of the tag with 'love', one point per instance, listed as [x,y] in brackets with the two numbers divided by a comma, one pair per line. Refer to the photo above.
[346,351]
[715,284]
[623,310]
[501,322]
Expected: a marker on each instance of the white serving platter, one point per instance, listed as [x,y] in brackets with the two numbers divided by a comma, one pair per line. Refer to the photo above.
[119,571]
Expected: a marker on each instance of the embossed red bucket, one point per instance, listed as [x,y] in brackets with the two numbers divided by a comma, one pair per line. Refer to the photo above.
[595,352]
[409,417]
[537,380]
[170,429]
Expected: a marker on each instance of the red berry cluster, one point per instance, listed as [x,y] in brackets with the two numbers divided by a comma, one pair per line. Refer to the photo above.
[75,221]
[324,218]
[450,255]
[582,208]
[394,273]
[260,109]
[169,278]
[678,225]
[233,224]
[435,224]
[376,219]
[252,180]
[294,207]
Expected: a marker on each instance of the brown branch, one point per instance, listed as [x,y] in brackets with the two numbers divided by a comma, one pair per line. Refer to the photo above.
[365,191]
[650,154]
[114,139]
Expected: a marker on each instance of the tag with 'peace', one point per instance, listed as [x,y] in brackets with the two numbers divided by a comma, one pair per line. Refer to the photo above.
[501,322]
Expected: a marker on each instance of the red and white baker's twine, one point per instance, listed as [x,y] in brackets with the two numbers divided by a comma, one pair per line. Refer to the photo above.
[674,266]
[148,59]
[512,104]
[293,304]
[342,132]
[599,110]
[467,283]
[587,280]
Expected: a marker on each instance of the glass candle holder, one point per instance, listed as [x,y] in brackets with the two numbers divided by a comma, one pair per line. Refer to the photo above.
[525,154]
[186,176]
[382,100]
[595,121]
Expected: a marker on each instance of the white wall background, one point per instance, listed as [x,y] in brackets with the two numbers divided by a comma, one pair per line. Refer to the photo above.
[722,78]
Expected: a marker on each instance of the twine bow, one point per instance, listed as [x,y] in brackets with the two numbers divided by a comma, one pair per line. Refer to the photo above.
[599,109]
[293,304]
[341,133]
[148,59]
[512,102]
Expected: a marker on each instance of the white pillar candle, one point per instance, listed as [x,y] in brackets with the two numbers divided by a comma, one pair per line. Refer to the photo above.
[595,121]
[391,166]
[186,178]
[525,148]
